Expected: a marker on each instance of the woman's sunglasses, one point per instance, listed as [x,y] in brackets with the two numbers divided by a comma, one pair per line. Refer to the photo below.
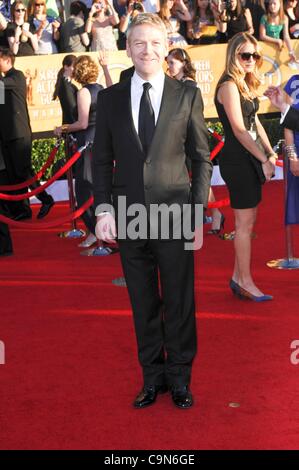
[246,55]
[19,10]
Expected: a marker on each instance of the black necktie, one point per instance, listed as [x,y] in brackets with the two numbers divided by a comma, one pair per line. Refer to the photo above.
[146,120]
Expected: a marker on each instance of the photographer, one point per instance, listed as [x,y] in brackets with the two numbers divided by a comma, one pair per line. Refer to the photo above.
[102,17]
[233,18]
[133,9]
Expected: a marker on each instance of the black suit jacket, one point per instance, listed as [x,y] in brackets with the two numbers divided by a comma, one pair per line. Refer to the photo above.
[291,120]
[14,117]
[161,176]
[67,95]
[127,73]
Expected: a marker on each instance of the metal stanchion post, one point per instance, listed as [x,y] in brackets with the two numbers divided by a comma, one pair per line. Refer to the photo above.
[74,232]
[289,262]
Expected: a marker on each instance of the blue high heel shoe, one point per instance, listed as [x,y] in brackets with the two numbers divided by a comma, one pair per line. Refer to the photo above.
[216,231]
[243,294]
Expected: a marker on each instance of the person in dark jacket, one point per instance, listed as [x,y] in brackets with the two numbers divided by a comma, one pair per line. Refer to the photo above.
[16,136]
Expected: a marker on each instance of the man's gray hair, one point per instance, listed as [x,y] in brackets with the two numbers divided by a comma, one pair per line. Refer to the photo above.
[150,19]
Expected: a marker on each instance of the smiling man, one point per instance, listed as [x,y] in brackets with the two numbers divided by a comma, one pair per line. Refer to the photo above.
[148,125]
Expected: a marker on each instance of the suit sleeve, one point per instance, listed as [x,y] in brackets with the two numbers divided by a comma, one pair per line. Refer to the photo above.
[102,155]
[13,82]
[291,120]
[197,149]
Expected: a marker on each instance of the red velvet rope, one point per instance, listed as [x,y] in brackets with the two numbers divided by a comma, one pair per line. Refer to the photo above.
[50,223]
[36,191]
[25,184]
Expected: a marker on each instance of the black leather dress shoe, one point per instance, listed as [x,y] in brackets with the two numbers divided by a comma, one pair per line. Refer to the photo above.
[181,396]
[148,395]
[45,208]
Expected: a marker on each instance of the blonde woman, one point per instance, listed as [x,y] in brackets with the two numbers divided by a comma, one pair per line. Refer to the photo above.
[248,158]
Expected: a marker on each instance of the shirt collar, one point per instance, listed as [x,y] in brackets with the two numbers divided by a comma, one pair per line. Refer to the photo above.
[157,81]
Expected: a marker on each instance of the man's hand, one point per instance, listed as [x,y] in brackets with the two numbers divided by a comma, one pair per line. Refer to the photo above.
[275,95]
[106,228]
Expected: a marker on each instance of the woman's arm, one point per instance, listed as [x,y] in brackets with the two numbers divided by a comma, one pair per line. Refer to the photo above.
[3,22]
[182,11]
[247,14]
[83,103]
[113,17]
[265,141]
[228,95]
[287,39]
[103,61]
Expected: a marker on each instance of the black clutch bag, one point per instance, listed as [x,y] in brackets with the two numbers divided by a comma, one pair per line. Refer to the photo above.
[258,168]
[257,164]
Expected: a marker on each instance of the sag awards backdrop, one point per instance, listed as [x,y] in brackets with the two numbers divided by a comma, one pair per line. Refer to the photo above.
[41,72]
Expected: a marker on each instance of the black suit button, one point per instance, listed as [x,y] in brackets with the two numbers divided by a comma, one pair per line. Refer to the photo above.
[148,161]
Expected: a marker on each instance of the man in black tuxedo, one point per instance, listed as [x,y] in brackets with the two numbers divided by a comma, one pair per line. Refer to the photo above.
[149,124]
[15,134]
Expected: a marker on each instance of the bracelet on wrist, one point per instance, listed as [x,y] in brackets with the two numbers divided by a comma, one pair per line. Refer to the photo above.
[64,128]
[291,151]
[272,155]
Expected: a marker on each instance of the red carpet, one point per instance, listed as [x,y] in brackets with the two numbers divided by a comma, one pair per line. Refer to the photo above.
[71,371]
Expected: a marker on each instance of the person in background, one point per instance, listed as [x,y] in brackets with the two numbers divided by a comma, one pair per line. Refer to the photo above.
[292,12]
[273,24]
[46,28]
[100,22]
[66,91]
[73,37]
[20,34]
[172,13]
[202,29]
[247,158]
[257,10]
[16,137]
[85,72]
[233,18]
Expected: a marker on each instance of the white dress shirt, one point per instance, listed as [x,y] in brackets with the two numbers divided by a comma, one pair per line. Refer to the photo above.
[155,92]
[283,115]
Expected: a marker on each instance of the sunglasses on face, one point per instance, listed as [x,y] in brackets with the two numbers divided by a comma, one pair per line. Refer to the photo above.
[246,56]
[39,4]
[19,10]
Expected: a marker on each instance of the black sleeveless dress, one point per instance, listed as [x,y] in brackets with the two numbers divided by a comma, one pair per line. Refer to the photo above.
[83,177]
[235,162]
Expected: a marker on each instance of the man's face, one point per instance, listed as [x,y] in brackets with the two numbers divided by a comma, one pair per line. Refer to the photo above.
[147,48]
[5,64]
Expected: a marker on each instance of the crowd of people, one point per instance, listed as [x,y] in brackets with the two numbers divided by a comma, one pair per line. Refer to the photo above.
[30,27]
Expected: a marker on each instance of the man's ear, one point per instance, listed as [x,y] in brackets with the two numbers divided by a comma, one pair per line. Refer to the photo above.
[128,49]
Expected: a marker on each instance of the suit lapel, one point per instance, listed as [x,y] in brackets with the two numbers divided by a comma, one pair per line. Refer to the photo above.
[167,109]
[126,114]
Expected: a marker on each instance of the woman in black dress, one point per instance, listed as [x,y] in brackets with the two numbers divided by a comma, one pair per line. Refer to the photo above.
[247,156]
[86,73]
